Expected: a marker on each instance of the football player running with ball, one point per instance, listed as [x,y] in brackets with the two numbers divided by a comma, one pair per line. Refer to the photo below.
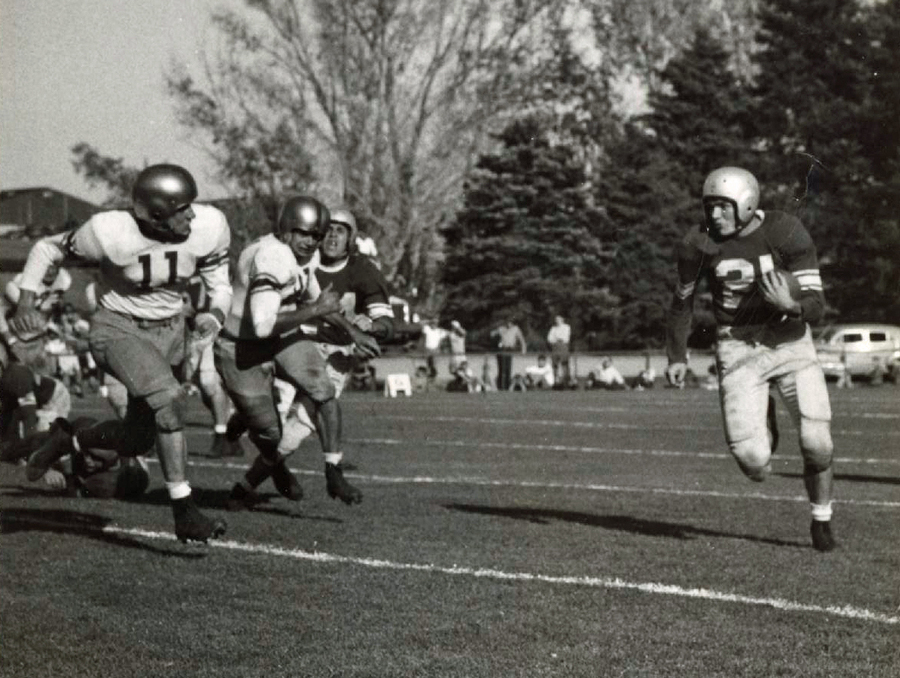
[365,304]
[276,290]
[748,258]
[146,256]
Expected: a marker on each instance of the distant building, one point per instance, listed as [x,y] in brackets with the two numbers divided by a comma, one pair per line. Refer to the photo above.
[41,210]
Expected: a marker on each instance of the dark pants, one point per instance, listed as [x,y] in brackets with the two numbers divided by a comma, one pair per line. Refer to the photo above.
[504,371]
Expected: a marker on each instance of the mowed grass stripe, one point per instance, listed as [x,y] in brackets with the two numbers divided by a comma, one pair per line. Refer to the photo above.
[588,449]
[643,426]
[614,583]
[589,487]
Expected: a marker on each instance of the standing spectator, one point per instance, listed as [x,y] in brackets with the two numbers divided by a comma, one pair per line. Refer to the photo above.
[509,338]
[559,338]
[432,336]
[146,255]
[457,339]
[762,331]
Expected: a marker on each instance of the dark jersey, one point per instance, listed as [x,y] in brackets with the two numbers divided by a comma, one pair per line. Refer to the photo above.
[732,269]
[364,294]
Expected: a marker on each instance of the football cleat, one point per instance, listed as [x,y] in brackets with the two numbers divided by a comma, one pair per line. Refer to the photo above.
[822,538]
[223,446]
[57,445]
[772,425]
[241,498]
[191,525]
[338,487]
[285,482]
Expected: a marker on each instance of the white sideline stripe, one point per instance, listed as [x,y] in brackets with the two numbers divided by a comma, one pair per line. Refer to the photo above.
[845,611]
[601,425]
[483,482]
[587,449]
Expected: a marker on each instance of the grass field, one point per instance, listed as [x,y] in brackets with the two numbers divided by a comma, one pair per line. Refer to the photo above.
[529,534]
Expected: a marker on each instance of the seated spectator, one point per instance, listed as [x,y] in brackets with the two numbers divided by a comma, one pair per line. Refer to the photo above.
[465,380]
[541,375]
[420,380]
[518,382]
[646,378]
[362,375]
[607,377]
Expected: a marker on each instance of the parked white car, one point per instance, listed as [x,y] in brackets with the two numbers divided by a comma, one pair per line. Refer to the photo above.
[859,347]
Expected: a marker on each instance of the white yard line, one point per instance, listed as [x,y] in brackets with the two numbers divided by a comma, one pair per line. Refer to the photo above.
[845,611]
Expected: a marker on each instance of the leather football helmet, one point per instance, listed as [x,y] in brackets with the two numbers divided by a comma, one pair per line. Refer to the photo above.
[162,190]
[303,212]
[345,218]
[736,185]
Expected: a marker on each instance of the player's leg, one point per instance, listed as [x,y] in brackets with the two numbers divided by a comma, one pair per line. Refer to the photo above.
[805,394]
[250,387]
[303,365]
[212,391]
[744,399]
[142,356]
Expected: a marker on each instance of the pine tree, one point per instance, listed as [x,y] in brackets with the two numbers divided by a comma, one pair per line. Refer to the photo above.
[525,243]
[651,188]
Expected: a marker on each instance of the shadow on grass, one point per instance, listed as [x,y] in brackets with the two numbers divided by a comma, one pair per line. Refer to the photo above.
[651,528]
[218,500]
[62,521]
[851,478]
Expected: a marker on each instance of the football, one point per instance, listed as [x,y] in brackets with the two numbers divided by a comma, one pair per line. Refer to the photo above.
[792,282]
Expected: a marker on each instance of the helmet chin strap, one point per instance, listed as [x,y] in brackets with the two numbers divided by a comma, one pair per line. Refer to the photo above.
[159,232]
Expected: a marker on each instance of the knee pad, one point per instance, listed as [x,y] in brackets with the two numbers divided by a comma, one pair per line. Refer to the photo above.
[169,408]
[753,457]
[816,446]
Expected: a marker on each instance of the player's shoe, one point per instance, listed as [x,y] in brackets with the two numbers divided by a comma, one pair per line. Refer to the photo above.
[241,498]
[191,525]
[338,487]
[285,482]
[822,538]
[772,425]
[57,445]
[223,446]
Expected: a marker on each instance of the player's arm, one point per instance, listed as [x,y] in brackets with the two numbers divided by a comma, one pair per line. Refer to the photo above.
[375,300]
[213,272]
[799,256]
[681,312]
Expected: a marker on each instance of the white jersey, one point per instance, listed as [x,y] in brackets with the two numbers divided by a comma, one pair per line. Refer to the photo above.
[47,297]
[268,268]
[139,276]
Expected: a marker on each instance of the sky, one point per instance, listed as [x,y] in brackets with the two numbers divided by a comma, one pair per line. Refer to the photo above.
[92,71]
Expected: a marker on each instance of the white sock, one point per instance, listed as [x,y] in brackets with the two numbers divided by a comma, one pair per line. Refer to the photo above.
[333,457]
[179,490]
[221,428]
[821,511]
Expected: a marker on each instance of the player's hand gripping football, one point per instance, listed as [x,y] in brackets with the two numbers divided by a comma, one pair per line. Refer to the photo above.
[675,373]
[777,290]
